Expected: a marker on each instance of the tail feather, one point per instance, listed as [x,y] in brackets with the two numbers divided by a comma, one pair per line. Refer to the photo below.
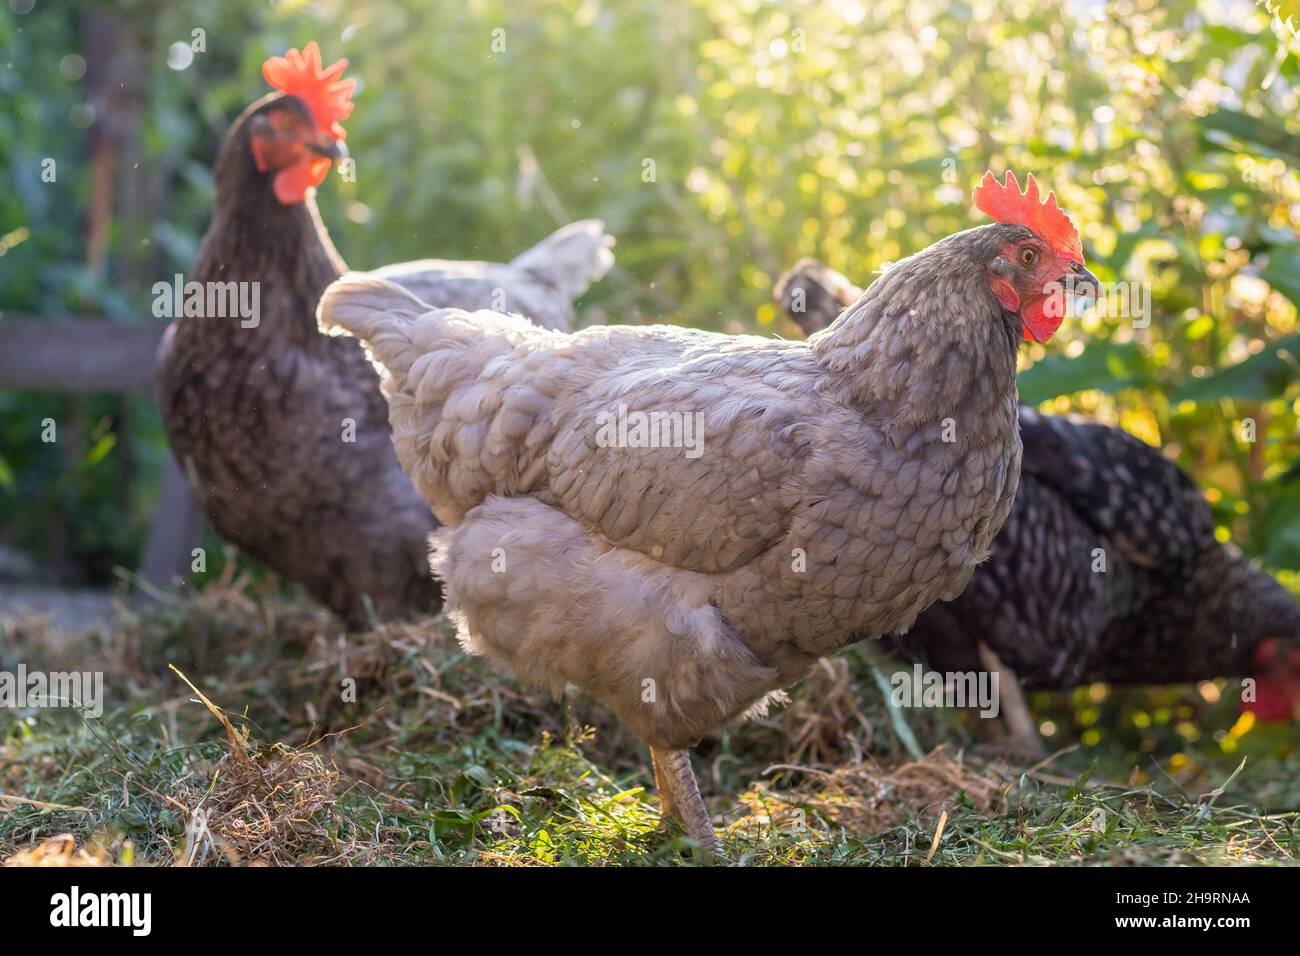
[378,312]
[433,361]
[571,258]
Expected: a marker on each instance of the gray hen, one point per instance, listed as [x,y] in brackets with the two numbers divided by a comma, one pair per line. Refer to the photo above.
[837,488]
[1173,603]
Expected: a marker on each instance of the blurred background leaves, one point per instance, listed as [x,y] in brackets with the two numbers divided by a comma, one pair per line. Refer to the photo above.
[846,130]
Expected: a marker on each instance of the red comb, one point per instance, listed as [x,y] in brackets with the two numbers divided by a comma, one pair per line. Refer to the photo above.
[1005,203]
[301,75]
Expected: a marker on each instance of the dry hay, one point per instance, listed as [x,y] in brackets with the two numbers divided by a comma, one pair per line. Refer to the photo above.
[61,850]
[871,797]
[826,721]
[836,716]
[263,807]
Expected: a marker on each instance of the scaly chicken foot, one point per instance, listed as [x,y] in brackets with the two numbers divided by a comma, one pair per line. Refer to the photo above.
[681,796]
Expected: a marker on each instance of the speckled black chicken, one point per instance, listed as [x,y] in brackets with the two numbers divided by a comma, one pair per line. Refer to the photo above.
[282,430]
[1172,605]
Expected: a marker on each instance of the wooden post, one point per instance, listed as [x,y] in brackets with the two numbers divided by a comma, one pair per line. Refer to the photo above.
[97,355]
[177,523]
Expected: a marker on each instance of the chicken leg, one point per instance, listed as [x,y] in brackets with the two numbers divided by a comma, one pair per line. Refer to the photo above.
[681,796]
[1023,739]
[667,809]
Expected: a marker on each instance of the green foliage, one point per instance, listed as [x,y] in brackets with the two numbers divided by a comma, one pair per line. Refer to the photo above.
[1281,545]
[1268,374]
[1105,367]
[845,130]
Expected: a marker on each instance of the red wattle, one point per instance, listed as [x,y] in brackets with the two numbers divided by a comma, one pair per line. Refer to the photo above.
[1271,704]
[292,183]
[1038,325]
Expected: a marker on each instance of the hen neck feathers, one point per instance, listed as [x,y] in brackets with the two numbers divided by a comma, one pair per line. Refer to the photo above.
[925,342]
[255,238]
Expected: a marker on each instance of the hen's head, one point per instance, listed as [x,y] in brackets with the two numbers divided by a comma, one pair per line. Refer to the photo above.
[1034,256]
[1276,668]
[295,135]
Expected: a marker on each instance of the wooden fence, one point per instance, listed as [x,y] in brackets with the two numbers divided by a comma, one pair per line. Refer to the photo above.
[97,355]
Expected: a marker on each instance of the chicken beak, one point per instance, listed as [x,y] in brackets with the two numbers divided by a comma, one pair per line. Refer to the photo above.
[1084,284]
[330,148]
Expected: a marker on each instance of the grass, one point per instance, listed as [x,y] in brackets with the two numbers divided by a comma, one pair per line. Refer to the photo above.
[393,747]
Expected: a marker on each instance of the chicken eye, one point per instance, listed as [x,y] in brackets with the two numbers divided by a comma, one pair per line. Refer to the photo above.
[1028,256]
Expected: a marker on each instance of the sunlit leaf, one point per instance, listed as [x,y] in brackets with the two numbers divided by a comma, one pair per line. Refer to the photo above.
[1232,128]
[99,451]
[1282,519]
[1267,374]
[1104,366]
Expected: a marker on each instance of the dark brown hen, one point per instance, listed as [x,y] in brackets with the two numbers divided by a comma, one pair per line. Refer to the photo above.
[1172,604]
[282,429]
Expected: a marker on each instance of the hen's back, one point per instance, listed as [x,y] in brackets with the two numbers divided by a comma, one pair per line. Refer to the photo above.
[540,283]
[1121,486]
[482,403]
